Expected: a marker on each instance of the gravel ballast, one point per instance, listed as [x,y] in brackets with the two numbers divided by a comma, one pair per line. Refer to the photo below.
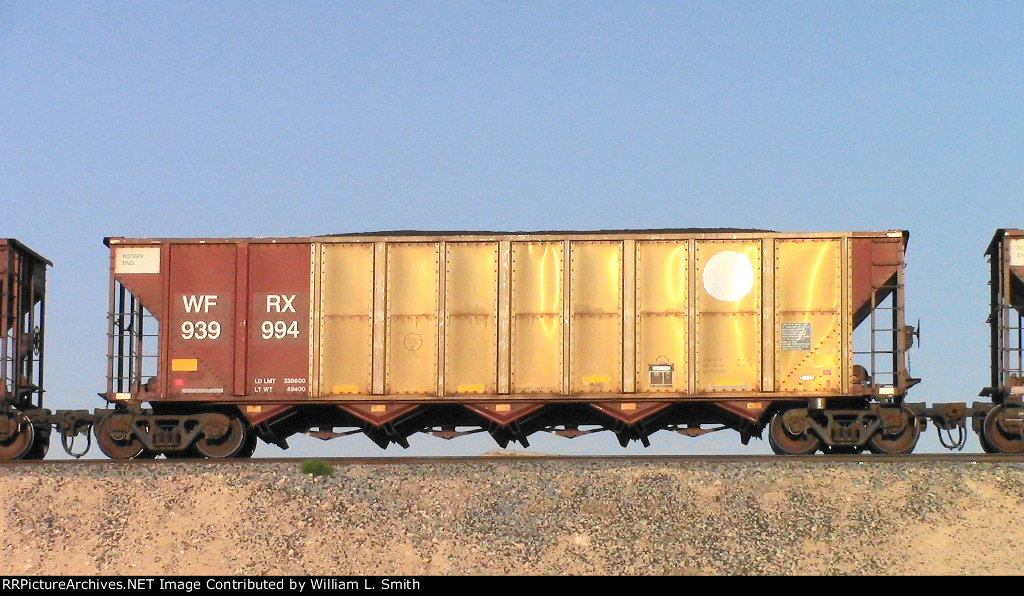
[509,516]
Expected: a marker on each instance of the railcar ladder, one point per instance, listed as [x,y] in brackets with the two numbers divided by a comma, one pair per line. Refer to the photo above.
[882,353]
[132,339]
[1007,326]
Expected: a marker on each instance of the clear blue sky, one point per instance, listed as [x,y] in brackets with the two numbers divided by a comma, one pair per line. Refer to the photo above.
[305,118]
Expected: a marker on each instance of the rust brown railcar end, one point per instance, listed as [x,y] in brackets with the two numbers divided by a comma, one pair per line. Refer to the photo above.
[24,427]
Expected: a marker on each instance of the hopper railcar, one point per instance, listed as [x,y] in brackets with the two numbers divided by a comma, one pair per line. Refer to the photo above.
[215,342]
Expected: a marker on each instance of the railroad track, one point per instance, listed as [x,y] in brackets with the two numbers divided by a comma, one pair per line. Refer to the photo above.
[961,458]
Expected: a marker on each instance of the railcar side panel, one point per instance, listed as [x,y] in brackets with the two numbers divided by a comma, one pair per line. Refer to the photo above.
[471,318]
[413,270]
[277,292]
[344,348]
[662,316]
[728,316]
[595,321]
[810,335]
[538,325]
[201,321]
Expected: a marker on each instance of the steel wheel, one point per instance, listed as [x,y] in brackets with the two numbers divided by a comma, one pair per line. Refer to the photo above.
[119,448]
[903,443]
[783,442]
[985,445]
[997,438]
[40,446]
[21,435]
[249,447]
[227,445]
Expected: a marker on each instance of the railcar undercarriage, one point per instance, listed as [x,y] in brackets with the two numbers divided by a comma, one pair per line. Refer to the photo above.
[793,428]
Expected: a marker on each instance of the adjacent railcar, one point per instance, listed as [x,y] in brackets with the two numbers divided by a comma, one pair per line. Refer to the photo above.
[24,425]
[1000,423]
[215,342]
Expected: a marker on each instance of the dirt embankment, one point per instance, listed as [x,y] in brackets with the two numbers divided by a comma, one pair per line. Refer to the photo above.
[498,516]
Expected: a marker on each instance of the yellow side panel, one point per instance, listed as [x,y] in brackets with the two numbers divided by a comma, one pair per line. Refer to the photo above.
[807,275]
[807,301]
[346,321]
[728,296]
[536,317]
[412,276]
[661,288]
[596,310]
[471,323]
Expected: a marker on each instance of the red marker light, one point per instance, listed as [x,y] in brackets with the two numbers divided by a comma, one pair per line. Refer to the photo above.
[179,382]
